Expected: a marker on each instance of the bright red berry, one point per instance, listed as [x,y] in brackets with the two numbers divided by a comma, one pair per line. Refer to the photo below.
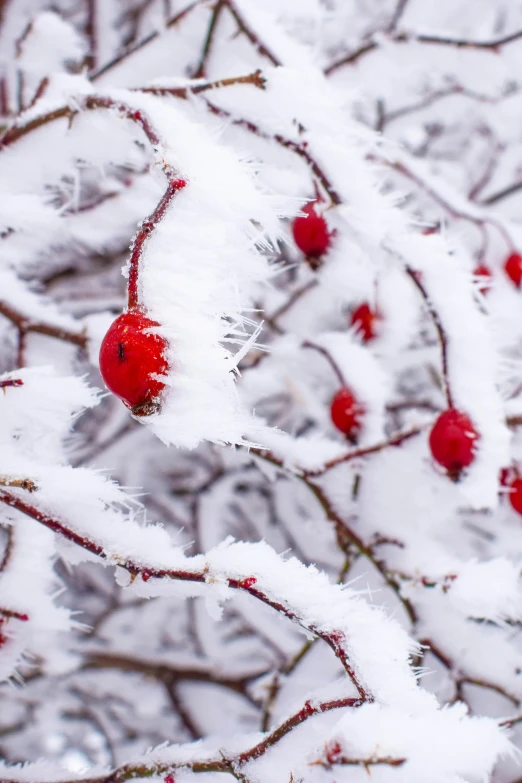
[169,779]
[515,494]
[311,233]
[483,272]
[452,441]
[347,412]
[366,321]
[131,356]
[513,267]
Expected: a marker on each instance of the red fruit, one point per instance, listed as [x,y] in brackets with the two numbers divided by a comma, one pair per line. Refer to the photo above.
[311,233]
[130,358]
[365,321]
[513,267]
[452,441]
[347,412]
[515,495]
[484,273]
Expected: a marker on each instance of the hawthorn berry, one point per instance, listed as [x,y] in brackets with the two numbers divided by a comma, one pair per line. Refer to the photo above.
[452,441]
[515,494]
[131,356]
[483,272]
[311,233]
[513,267]
[365,321]
[347,412]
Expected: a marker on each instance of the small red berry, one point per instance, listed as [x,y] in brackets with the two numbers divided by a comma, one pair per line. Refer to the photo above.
[311,233]
[169,778]
[515,495]
[483,272]
[346,412]
[365,321]
[452,441]
[130,357]
[513,267]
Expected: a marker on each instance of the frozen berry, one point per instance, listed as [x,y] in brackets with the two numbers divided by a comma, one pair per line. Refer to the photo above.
[366,321]
[515,494]
[483,273]
[347,412]
[132,355]
[513,267]
[311,233]
[452,441]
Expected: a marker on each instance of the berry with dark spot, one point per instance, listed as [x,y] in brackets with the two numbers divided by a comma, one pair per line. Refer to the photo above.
[132,355]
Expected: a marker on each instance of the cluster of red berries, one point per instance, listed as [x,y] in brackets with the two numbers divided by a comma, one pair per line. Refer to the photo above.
[132,360]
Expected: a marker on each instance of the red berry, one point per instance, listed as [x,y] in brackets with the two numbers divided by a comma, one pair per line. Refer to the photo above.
[169,779]
[483,272]
[130,358]
[452,441]
[515,494]
[347,412]
[513,267]
[365,321]
[311,233]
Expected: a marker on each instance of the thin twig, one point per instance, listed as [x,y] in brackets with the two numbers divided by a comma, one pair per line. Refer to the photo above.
[443,339]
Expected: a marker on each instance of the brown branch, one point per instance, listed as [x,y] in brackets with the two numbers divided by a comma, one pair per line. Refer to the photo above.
[334,639]
[229,764]
[207,46]
[397,14]
[510,190]
[299,148]
[251,34]
[128,52]
[454,211]
[22,483]
[412,37]
[146,229]
[256,79]
[329,358]
[172,674]
[441,332]
[364,451]
[463,679]
[292,299]
[91,59]
[8,548]
[183,712]
[366,763]
[26,325]
[438,95]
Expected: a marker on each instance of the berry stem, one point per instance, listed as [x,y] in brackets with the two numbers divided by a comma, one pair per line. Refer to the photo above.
[329,358]
[443,339]
[147,227]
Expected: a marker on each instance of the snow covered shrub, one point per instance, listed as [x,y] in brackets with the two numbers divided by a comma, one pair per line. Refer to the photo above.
[288,546]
